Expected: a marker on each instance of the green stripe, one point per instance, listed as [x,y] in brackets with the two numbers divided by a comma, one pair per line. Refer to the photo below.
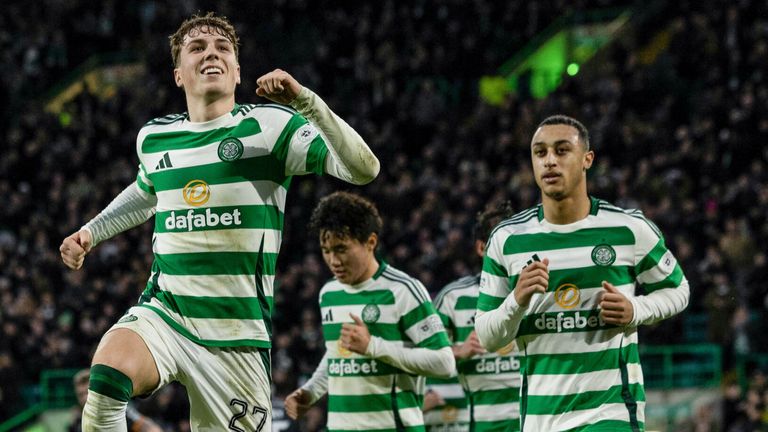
[488,365]
[671,281]
[248,169]
[178,140]
[417,314]
[143,186]
[436,341]
[447,322]
[492,267]
[614,236]
[577,363]
[216,263]
[207,342]
[210,219]
[462,333]
[343,298]
[607,426]
[487,302]
[586,277]
[316,156]
[562,322]
[212,307]
[110,382]
[391,332]
[466,303]
[553,405]
[512,425]
[442,381]
[283,142]
[494,397]
[371,402]
[651,259]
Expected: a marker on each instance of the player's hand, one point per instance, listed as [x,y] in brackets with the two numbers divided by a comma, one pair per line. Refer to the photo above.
[432,400]
[278,86]
[469,348]
[297,404]
[74,248]
[355,337]
[533,279]
[615,308]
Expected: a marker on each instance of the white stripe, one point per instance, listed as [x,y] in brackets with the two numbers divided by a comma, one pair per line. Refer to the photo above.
[272,122]
[361,420]
[388,313]
[355,386]
[215,285]
[298,148]
[582,342]
[234,240]
[447,391]
[253,146]
[259,192]
[554,385]
[569,420]
[495,286]
[424,329]
[492,381]
[218,329]
[411,416]
[434,417]
[570,258]
[497,412]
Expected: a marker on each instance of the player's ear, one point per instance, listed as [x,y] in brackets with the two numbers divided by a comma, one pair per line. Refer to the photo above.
[237,74]
[589,157]
[372,241]
[177,77]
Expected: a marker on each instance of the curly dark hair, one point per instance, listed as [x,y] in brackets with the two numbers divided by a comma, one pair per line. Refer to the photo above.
[490,217]
[346,214]
[208,23]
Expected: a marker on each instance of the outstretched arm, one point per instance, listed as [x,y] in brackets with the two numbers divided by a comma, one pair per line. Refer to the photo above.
[130,208]
[350,158]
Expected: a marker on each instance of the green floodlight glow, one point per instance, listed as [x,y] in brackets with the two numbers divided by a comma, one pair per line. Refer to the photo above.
[572,69]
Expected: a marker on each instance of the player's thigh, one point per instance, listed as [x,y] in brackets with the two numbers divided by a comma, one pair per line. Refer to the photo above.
[123,349]
[229,389]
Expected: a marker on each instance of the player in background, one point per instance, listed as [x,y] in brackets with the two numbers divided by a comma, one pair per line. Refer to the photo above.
[491,380]
[382,334]
[570,280]
[216,179]
[446,407]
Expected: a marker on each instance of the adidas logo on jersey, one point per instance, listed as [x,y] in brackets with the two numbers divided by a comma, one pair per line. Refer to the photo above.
[328,317]
[165,162]
[194,219]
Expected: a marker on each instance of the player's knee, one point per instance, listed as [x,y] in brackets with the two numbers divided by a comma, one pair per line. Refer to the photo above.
[109,391]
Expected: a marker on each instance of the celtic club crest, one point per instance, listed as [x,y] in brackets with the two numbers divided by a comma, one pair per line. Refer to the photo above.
[371,313]
[603,255]
[230,149]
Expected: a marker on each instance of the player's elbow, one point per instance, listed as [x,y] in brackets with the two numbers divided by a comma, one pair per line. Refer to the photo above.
[368,172]
[486,338]
[445,364]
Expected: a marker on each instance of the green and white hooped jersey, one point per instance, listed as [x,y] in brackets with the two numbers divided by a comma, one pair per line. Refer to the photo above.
[454,415]
[367,394]
[221,188]
[578,370]
[491,380]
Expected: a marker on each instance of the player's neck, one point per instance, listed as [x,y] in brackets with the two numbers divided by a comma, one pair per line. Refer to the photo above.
[567,210]
[203,110]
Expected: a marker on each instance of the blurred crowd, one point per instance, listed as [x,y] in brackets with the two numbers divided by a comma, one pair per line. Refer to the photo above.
[676,108]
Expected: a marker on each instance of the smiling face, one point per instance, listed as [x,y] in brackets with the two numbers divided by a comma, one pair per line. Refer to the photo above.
[350,260]
[207,65]
[560,161]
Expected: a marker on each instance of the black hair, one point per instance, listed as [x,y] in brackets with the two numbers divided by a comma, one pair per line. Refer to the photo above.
[346,214]
[561,119]
[490,217]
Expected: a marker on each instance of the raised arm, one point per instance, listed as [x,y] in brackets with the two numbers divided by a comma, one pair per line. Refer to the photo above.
[350,158]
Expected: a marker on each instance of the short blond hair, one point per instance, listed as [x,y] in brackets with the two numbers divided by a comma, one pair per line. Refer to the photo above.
[208,23]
